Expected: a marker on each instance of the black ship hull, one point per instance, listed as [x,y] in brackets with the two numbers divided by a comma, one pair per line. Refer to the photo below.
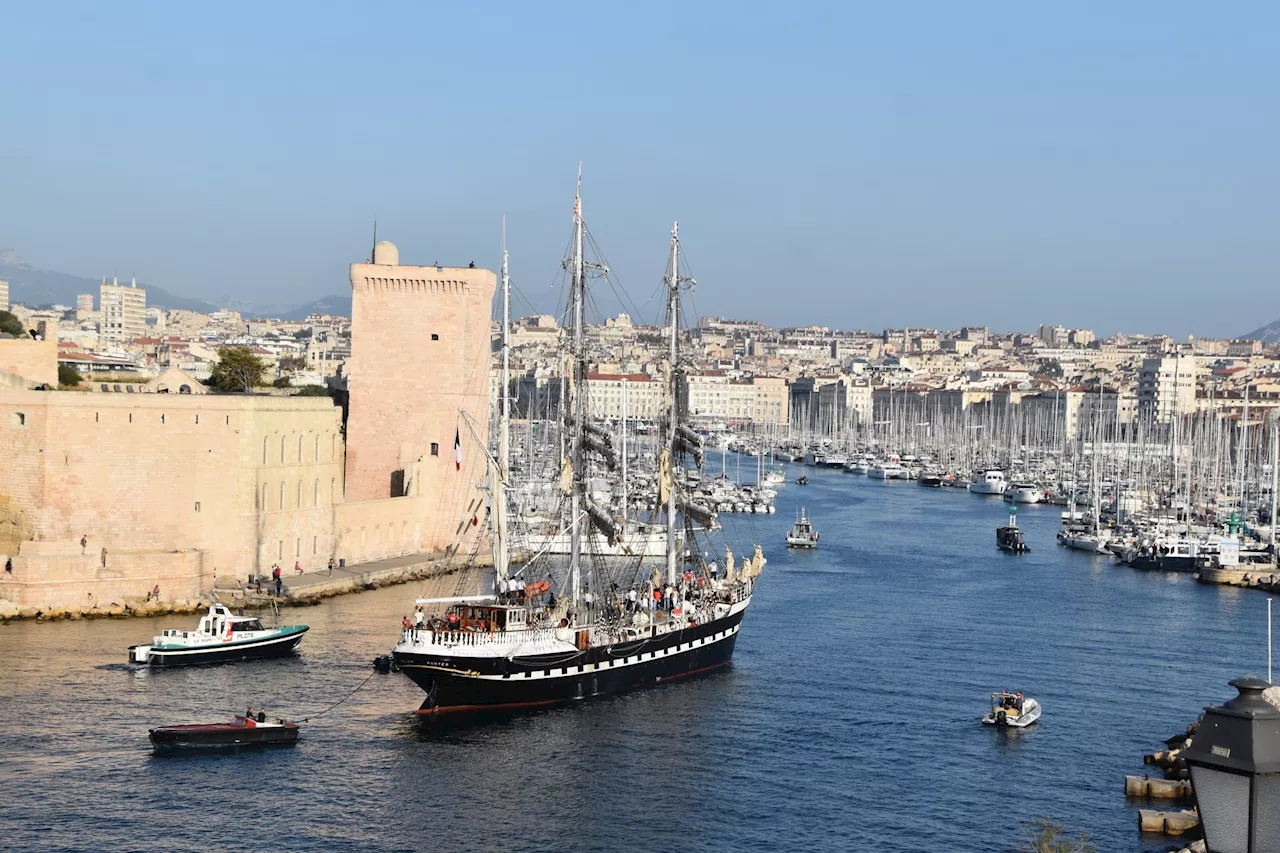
[1161,563]
[467,685]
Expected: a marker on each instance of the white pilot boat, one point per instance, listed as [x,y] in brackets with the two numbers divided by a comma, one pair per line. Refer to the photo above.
[802,534]
[220,637]
[1012,709]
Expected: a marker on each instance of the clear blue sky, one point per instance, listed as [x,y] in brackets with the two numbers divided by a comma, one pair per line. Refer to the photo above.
[859,165]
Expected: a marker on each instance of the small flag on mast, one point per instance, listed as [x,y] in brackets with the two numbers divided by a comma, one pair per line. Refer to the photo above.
[457,449]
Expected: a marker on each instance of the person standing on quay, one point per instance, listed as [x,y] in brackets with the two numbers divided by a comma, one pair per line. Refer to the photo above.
[104,557]
[331,567]
[84,543]
[275,575]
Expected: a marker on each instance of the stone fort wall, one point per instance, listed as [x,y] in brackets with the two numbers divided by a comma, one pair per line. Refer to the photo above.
[34,361]
[180,489]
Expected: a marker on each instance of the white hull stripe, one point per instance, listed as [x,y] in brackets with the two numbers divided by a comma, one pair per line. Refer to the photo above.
[579,669]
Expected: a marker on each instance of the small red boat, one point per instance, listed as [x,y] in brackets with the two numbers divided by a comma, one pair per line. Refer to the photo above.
[240,732]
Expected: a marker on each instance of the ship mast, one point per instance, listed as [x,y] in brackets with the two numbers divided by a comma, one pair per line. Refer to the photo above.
[577,287]
[501,553]
[673,281]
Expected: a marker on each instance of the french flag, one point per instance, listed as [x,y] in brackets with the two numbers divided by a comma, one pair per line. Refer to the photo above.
[457,449]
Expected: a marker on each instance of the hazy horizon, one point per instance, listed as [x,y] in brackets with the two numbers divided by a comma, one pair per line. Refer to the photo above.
[850,165]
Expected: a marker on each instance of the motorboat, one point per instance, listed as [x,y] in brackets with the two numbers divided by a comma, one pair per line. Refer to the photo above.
[802,534]
[802,480]
[1009,538]
[1167,554]
[220,637]
[1012,710]
[242,731]
[988,482]
[861,466]
[930,480]
[888,471]
[1023,493]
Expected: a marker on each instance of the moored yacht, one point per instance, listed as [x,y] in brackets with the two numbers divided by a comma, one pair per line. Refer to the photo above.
[888,470]
[1023,493]
[988,482]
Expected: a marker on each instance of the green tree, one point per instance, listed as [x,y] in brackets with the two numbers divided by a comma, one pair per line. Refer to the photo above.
[237,370]
[312,391]
[1044,835]
[67,375]
[293,362]
[11,325]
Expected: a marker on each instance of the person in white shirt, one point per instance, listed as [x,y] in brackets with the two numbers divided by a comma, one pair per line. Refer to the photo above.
[589,600]
[417,622]
[503,588]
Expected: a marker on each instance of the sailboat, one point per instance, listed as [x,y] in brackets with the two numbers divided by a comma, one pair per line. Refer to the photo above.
[608,632]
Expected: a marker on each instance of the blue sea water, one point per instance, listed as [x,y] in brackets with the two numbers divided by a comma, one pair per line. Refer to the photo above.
[849,720]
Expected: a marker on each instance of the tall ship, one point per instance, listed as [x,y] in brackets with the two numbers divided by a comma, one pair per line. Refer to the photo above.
[603,624]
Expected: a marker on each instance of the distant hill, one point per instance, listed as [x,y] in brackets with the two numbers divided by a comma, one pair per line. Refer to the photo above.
[337,305]
[1267,334]
[33,287]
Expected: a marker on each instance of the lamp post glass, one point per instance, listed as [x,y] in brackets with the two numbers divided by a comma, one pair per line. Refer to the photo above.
[1235,769]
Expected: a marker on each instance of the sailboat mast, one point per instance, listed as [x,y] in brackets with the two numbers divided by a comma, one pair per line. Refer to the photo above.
[577,286]
[673,413]
[624,453]
[501,554]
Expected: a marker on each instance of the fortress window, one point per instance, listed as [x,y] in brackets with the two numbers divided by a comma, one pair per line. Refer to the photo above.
[435,448]
[435,337]
[317,447]
[299,448]
[282,450]
[315,494]
[18,420]
[264,498]
[197,506]
[264,449]
[95,417]
[299,494]
[162,417]
[282,495]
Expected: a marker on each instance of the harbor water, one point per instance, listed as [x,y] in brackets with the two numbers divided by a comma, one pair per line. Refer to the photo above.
[849,720]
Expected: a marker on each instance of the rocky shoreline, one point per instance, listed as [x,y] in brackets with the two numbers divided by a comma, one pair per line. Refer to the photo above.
[306,594]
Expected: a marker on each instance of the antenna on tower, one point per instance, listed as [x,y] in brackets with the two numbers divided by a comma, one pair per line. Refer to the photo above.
[373,251]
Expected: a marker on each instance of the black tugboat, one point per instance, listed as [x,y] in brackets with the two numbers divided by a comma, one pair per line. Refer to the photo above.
[1009,538]
[242,731]
[616,627]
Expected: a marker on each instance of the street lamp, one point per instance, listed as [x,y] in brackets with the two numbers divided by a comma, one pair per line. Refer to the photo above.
[1235,769]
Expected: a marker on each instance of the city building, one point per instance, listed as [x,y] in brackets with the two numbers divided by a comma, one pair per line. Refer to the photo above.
[1166,388]
[122,312]
[4,295]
